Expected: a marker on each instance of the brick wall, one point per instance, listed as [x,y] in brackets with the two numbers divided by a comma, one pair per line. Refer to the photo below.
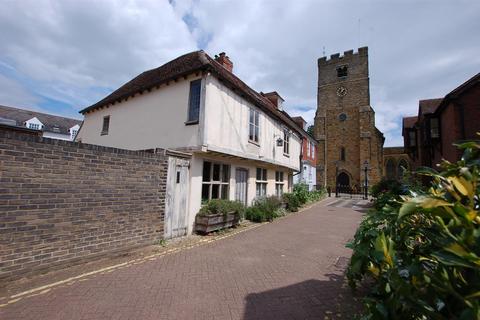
[63,202]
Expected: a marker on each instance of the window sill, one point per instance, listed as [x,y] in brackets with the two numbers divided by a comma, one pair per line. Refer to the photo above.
[191,122]
[254,143]
[104,133]
[286,155]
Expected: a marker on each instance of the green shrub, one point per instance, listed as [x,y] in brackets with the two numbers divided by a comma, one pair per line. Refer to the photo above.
[422,250]
[291,201]
[264,209]
[300,190]
[221,206]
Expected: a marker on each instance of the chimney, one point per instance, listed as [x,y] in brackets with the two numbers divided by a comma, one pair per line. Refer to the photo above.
[224,60]
[274,98]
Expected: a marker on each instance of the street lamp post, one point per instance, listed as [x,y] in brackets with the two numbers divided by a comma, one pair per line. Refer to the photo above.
[365,164]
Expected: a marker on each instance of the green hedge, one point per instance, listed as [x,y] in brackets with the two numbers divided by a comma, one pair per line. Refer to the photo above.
[420,252]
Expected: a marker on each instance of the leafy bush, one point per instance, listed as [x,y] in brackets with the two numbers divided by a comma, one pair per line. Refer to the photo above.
[300,190]
[221,206]
[422,250]
[264,209]
[291,201]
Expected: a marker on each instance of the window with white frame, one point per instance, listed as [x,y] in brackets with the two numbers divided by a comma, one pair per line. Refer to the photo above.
[308,149]
[254,126]
[215,180]
[312,150]
[34,126]
[286,141]
[279,183]
[194,101]
[261,183]
[73,134]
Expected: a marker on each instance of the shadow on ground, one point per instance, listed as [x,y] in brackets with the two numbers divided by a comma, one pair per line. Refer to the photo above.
[311,299]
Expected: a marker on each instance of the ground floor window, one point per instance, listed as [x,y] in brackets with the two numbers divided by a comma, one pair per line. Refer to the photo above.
[261,183]
[278,183]
[215,180]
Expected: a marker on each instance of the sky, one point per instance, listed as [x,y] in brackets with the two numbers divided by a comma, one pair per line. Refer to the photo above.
[62,56]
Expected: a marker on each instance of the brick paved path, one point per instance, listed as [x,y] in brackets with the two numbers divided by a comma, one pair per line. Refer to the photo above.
[288,269]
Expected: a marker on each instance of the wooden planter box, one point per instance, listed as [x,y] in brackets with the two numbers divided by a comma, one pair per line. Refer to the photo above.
[206,224]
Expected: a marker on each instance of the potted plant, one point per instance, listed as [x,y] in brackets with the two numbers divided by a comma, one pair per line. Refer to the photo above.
[219,214]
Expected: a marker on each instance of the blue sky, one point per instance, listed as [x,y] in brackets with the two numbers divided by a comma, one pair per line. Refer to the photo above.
[61,56]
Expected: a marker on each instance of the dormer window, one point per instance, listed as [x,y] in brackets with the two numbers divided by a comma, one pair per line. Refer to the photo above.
[342,71]
[73,134]
[34,126]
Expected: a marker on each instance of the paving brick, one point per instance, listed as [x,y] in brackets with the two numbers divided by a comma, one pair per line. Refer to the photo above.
[288,269]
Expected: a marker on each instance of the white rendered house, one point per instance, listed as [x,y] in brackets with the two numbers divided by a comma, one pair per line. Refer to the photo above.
[242,145]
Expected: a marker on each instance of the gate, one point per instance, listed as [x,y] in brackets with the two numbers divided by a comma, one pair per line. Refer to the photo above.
[176,198]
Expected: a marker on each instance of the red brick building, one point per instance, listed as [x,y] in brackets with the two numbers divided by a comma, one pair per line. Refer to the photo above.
[441,123]
[307,173]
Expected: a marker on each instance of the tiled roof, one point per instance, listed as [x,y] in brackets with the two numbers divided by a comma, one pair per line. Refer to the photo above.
[409,122]
[17,117]
[183,66]
[429,106]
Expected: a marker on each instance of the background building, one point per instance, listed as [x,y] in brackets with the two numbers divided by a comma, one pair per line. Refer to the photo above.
[50,125]
[308,165]
[345,122]
[441,123]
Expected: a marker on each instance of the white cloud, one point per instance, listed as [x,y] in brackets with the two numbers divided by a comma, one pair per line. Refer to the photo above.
[75,51]
[66,48]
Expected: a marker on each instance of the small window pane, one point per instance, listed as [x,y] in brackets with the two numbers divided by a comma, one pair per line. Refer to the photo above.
[215,191]
[216,172]
[226,173]
[206,171]
[259,174]
[194,100]
[264,175]
[225,191]
[205,191]
[256,134]
[257,116]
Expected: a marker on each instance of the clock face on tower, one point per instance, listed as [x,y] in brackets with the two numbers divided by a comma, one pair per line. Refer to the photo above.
[341,91]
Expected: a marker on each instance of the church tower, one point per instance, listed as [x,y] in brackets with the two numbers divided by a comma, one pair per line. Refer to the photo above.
[345,122]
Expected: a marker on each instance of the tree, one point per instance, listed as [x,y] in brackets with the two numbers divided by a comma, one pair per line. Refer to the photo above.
[310,130]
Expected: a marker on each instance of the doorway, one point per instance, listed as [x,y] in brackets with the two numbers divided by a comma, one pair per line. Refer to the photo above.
[176,210]
[343,180]
[241,178]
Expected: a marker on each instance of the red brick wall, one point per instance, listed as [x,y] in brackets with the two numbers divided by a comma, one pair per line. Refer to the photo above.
[63,202]
[306,155]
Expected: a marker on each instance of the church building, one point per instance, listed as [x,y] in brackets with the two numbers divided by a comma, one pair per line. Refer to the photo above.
[348,141]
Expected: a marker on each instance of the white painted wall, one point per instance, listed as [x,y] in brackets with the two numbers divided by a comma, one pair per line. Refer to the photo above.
[196,170]
[308,175]
[150,120]
[227,125]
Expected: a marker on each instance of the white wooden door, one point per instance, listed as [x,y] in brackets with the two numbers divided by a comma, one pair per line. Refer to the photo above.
[241,176]
[176,209]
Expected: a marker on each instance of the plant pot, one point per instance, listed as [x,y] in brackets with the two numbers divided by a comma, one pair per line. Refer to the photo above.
[209,223]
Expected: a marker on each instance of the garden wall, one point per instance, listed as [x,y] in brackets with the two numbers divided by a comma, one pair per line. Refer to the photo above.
[64,202]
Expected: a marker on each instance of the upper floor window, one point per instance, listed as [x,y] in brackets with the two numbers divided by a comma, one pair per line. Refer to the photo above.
[194,101]
[34,126]
[342,154]
[312,150]
[279,183]
[215,180]
[412,137]
[434,128]
[261,183]
[286,141]
[106,125]
[254,126]
[342,71]
[308,149]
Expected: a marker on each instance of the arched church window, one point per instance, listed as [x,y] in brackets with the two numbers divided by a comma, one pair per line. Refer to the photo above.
[390,168]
